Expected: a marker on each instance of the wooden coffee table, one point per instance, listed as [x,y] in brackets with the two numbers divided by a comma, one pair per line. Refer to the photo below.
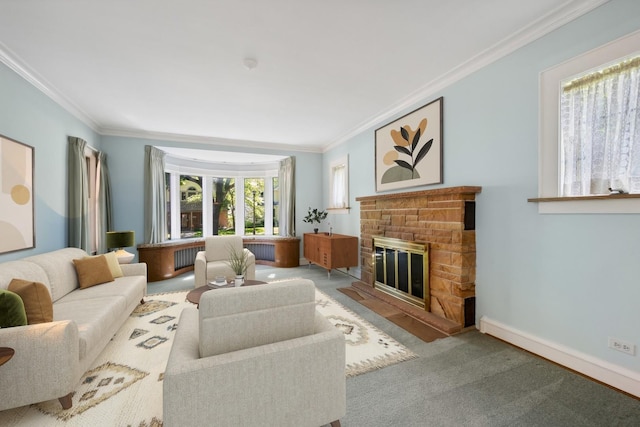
[194,295]
[6,353]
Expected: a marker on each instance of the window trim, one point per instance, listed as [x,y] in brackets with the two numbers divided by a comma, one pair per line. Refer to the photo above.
[549,134]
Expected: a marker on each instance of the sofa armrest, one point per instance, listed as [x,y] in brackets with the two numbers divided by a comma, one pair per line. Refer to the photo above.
[303,378]
[200,269]
[136,269]
[45,363]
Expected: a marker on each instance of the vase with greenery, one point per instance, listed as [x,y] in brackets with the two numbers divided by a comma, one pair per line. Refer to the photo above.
[239,262]
[315,215]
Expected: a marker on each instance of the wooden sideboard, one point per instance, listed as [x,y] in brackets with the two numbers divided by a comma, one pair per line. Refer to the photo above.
[172,258]
[331,251]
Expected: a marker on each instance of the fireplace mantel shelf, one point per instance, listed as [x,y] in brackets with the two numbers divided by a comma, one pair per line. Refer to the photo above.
[423,193]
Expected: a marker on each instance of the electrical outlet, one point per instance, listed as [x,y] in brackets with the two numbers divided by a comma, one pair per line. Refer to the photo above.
[623,346]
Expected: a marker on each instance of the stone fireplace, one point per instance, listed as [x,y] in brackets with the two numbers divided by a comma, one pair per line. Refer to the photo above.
[443,220]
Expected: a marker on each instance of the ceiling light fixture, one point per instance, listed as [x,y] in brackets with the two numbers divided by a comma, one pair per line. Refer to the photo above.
[250,63]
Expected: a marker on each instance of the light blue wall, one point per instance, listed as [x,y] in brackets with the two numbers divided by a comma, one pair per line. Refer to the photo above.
[573,280]
[126,169]
[29,116]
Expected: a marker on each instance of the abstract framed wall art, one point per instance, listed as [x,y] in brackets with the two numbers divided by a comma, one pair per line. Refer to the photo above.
[409,149]
[17,229]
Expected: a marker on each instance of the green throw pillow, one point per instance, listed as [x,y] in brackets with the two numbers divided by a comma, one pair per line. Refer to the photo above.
[12,311]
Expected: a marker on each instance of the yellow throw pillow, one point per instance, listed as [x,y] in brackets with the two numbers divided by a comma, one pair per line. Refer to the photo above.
[92,270]
[114,265]
[36,299]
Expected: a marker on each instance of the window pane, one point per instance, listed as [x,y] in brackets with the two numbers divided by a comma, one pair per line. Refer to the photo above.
[223,206]
[167,198]
[190,206]
[276,206]
[254,205]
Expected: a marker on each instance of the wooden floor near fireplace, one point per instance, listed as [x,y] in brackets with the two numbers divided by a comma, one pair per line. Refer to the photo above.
[409,323]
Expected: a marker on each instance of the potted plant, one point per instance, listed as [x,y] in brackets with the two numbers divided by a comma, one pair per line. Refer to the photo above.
[239,262]
[314,215]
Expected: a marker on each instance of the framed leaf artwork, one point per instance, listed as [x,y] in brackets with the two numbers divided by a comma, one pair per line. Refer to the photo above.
[16,196]
[409,149]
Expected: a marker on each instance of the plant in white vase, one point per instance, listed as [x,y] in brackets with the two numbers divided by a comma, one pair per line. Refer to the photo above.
[315,215]
[239,262]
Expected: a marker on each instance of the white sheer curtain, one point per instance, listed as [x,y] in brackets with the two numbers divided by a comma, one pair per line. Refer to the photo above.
[286,181]
[339,182]
[600,131]
[155,207]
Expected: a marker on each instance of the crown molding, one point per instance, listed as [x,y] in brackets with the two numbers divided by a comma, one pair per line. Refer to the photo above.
[11,60]
[551,21]
[206,140]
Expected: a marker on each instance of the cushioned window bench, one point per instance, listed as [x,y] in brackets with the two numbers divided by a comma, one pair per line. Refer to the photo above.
[172,258]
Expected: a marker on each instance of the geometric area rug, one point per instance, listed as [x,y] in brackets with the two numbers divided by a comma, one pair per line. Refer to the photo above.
[124,385]
[368,348]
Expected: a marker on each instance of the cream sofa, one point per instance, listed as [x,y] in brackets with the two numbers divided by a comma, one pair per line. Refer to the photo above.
[212,262]
[50,358]
[256,356]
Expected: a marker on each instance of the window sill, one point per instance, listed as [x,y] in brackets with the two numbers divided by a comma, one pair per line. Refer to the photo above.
[339,211]
[614,203]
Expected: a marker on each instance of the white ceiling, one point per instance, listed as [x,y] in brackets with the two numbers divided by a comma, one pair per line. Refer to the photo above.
[326,70]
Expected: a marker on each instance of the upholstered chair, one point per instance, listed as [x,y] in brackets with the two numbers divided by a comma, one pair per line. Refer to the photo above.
[256,356]
[212,262]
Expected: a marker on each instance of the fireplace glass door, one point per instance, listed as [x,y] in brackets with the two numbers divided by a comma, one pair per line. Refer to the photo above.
[401,269]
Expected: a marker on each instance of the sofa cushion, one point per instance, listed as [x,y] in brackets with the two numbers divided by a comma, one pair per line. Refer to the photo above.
[22,270]
[36,299]
[12,311]
[94,317]
[59,269]
[130,287]
[114,265]
[92,270]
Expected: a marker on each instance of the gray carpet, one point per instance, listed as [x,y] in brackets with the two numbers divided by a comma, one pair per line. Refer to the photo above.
[469,379]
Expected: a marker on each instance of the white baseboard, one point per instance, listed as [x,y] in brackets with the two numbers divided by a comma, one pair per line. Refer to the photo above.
[608,373]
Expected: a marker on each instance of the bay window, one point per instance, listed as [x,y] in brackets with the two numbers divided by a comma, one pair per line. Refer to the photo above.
[204,200]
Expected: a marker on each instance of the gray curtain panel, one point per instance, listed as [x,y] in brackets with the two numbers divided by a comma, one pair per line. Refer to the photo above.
[155,208]
[105,209]
[286,181]
[78,195]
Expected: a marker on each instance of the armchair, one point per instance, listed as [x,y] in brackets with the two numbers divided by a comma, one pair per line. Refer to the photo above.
[212,261]
[256,356]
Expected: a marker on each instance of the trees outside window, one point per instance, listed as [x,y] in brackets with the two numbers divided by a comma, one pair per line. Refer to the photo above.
[254,205]
[190,206]
[254,213]
[276,205]
[223,206]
